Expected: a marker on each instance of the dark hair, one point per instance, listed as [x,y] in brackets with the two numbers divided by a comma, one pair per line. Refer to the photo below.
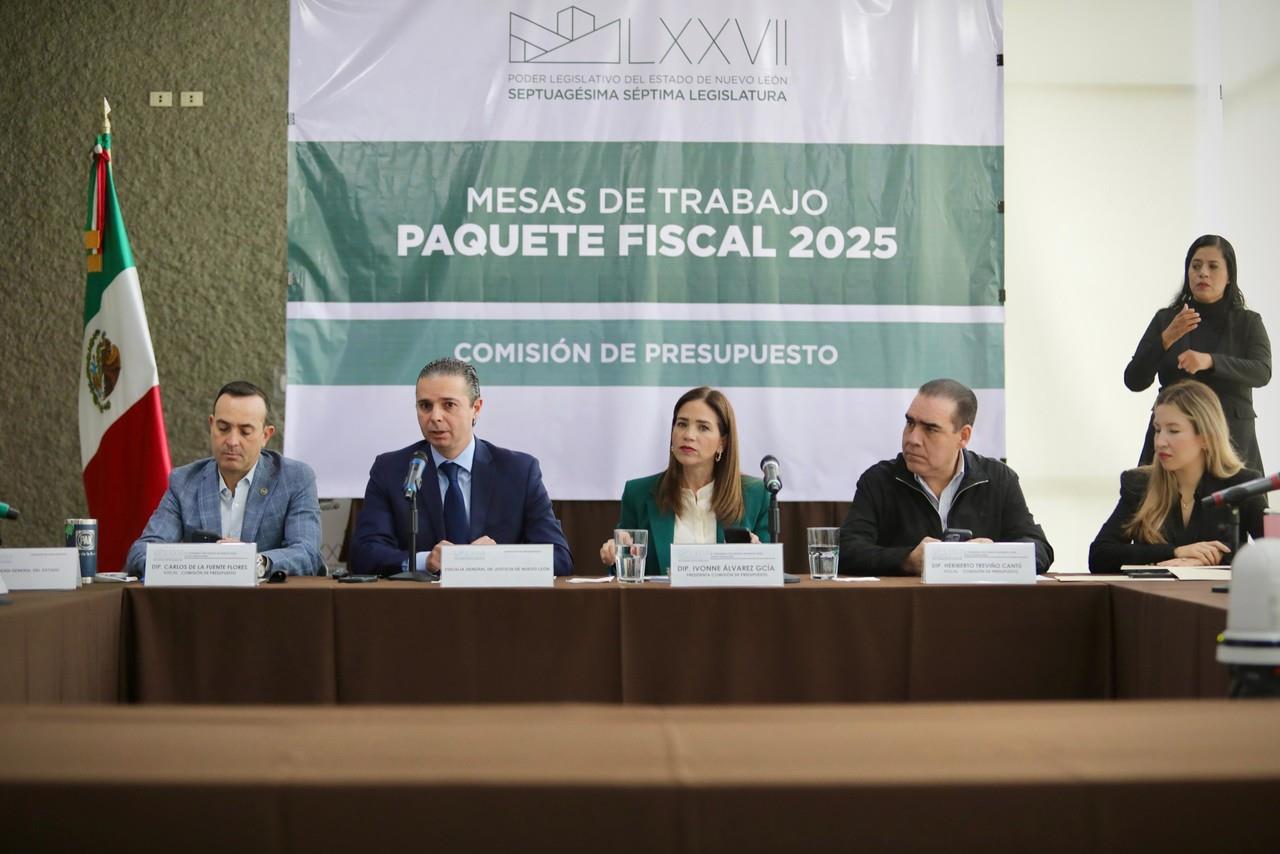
[449,366]
[1232,295]
[243,388]
[966,401]
[726,493]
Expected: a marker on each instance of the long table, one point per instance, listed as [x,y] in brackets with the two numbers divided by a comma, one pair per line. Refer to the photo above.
[316,641]
[1017,777]
[897,640]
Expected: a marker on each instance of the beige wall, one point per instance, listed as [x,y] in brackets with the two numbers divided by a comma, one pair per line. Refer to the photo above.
[1111,172]
[203,193]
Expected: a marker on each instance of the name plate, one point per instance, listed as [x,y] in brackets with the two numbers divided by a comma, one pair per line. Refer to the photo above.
[201,565]
[980,563]
[497,566]
[725,565]
[40,569]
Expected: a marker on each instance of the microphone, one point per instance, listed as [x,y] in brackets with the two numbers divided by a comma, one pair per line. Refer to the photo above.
[772,474]
[8,511]
[413,480]
[1239,492]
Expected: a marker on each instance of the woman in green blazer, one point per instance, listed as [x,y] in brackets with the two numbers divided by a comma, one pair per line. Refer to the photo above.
[701,493]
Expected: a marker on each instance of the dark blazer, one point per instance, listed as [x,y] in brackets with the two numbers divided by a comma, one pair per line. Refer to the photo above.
[282,515]
[891,514]
[508,503]
[1113,548]
[640,511]
[1241,363]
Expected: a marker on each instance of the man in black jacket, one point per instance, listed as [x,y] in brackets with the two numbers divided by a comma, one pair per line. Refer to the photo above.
[934,484]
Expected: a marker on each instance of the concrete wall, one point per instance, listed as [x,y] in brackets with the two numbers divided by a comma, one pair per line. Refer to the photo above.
[203,193]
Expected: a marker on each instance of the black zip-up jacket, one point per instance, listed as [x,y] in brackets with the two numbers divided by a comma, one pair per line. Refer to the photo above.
[891,514]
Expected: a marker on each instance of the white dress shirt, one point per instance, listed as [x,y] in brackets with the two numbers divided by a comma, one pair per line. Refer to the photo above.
[232,503]
[942,503]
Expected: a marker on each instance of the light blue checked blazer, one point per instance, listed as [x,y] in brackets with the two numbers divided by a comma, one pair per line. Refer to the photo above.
[282,515]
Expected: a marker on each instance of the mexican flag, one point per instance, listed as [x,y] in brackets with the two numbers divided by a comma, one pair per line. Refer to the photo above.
[123,446]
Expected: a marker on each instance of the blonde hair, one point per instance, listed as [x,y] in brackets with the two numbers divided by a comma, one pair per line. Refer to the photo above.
[1201,406]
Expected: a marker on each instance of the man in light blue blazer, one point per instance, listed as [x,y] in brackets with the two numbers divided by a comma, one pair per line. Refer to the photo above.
[473,492]
[241,494]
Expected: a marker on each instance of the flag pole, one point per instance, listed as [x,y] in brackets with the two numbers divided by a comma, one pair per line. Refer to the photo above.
[106,122]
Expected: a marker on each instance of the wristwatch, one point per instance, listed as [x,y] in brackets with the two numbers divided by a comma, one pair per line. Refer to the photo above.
[264,565]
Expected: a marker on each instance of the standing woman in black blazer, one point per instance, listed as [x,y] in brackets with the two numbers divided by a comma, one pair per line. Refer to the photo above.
[1208,333]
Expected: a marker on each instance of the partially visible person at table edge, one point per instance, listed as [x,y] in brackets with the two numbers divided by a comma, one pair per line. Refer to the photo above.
[702,490]
[1158,518]
[1208,333]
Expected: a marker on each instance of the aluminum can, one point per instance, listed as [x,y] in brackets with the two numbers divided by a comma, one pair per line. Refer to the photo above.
[82,535]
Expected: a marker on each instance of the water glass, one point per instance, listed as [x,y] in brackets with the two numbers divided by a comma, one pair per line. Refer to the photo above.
[824,552]
[633,547]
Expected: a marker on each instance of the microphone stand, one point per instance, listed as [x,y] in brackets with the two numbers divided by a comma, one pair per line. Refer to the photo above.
[413,532]
[413,573]
[1229,531]
[775,532]
[1233,529]
[775,518]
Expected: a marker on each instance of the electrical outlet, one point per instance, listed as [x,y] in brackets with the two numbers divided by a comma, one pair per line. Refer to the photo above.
[161,99]
[191,99]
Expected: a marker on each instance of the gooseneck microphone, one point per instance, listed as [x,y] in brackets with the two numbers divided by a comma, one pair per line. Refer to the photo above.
[8,511]
[1241,491]
[772,474]
[413,480]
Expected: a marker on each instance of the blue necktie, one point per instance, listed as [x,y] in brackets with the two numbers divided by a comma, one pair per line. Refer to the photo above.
[456,529]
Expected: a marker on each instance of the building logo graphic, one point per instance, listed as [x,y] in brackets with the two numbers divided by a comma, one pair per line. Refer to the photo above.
[578,39]
[575,39]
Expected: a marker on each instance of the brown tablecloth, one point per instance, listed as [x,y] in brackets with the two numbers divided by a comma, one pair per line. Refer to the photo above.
[1167,638]
[316,641]
[273,643]
[61,646]
[1043,777]
[892,640]
[418,643]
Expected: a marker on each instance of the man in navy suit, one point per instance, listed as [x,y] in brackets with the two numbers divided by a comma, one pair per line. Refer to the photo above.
[242,493]
[472,490]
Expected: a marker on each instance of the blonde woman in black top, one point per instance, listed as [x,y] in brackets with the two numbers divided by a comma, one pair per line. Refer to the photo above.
[1159,518]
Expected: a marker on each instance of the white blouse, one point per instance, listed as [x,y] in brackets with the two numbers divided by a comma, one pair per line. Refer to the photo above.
[695,521]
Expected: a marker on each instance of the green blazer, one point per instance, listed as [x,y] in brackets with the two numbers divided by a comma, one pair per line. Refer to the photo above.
[640,512]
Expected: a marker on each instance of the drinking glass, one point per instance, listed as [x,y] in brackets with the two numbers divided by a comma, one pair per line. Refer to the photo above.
[824,553]
[633,547]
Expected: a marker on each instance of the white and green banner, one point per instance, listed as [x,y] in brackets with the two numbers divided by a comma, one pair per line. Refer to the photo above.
[601,206]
